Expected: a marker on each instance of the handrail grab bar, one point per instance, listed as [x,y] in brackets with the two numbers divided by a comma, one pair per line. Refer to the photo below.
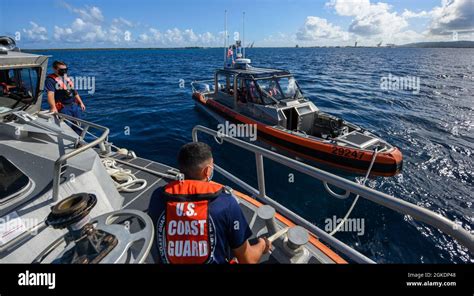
[62,159]
[321,234]
[463,236]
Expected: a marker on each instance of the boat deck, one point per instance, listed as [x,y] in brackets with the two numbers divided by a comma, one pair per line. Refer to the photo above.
[140,200]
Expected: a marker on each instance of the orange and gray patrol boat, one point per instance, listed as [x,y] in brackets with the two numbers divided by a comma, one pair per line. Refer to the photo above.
[272,100]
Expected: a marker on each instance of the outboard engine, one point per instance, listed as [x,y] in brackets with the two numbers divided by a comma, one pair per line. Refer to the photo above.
[105,239]
[7,44]
[329,125]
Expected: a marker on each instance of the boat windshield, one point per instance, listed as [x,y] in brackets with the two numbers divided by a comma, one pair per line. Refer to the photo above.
[18,87]
[276,89]
[289,88]
[271,92]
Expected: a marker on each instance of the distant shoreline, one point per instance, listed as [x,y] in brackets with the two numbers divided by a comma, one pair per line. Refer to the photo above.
[445,44]
[113,48]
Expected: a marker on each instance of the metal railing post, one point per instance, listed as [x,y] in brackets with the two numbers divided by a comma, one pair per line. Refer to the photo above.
[56,179]
[260,175]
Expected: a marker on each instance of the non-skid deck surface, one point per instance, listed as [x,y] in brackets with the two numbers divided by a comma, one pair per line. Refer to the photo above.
[141,199]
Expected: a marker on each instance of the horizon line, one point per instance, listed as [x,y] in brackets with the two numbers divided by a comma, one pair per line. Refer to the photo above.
[215,47]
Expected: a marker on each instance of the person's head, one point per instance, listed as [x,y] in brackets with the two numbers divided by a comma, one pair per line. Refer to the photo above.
[195,161]
[60,68]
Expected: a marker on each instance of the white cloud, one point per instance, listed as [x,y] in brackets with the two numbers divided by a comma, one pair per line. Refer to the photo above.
[407,36]
[316,28]
[208,38]
[411,14]
[177,37]
[369,19]
[89,13]
[381,23]
[91,28]
[378,20]
[452,15]
[88,27]
[81,31]
[144,38]
[369,23]
[35,33]
[153,36]
[349,7]
[122,22]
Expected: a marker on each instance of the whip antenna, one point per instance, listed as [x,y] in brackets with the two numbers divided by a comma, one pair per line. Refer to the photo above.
[225,36]
[243,34]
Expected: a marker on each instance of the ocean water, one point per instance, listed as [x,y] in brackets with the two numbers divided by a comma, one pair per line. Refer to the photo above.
[139,95]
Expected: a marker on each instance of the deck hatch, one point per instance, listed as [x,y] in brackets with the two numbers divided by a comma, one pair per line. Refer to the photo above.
[359,140]
[12,180]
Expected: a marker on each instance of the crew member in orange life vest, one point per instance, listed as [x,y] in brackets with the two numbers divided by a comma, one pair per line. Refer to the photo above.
[62,97]
[199,221]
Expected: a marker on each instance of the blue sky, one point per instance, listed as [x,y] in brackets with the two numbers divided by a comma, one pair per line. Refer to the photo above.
[139,23]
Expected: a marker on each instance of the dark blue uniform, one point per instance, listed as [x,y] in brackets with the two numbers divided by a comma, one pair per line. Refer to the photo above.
[66,97]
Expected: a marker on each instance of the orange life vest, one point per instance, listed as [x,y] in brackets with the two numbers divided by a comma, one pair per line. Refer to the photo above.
[186,232]
[62,86]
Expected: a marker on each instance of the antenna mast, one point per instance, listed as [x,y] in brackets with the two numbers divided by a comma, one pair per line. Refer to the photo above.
[225,37]
[243,34]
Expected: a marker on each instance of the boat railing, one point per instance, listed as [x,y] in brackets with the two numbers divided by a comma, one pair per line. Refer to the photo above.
[59,164]
[463,236]
[84,126]
[196,82]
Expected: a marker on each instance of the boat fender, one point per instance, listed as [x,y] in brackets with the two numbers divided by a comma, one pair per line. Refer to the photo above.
[199,97]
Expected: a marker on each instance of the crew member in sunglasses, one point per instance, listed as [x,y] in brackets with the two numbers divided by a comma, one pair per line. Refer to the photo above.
[62,96]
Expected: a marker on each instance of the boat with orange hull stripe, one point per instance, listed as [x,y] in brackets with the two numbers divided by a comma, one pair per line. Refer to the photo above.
[388,162]
[271,101]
